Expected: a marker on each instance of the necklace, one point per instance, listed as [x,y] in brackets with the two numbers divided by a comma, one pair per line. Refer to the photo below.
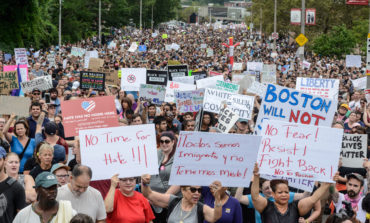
[187,215]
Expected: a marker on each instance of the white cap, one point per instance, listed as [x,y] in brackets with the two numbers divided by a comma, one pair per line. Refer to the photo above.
[75,85]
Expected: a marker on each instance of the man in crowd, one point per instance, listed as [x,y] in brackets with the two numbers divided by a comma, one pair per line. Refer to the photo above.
[355,104]
[55,100]
[189,125]
[35,109]
[36,94]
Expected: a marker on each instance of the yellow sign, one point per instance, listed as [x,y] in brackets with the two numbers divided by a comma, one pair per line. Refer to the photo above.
[164,36]
[301,39]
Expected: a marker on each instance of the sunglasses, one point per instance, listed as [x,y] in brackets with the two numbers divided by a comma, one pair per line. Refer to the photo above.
[193,190]
[36,93]
[165,141]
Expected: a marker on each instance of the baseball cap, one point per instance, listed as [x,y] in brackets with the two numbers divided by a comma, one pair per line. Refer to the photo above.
[45,180]
[345,106]
[356,176]
[2,152]
[58,166]
[59,153]
[35,89]
[50,128]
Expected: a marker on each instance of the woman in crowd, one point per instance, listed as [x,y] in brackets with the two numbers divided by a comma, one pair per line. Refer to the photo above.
[207,122]
[20,144]
[45,158]
[126,104]
[12,165]
[352,122]
[125,205]
[185,209]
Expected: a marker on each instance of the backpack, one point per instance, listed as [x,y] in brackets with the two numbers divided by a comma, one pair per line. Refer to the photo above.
[175,201]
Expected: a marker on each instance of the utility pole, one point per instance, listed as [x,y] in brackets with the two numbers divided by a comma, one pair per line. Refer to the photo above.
[60,26]
[152,16]
[261,21]
[141,11]
[99,22]
[275,24]
[303,23]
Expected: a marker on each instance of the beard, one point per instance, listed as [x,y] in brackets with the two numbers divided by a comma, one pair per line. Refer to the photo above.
[352,194]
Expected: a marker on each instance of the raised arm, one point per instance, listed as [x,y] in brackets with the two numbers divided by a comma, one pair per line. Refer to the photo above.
[243,199]
[213,214]
[299,196]
[259,202]
[158,199]
[316,212]
[306,204]
[109,199]
[7,135]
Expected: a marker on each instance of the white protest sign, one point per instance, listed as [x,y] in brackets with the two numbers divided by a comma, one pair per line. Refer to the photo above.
[226,120]
[129,151]
[229,87]
[242,105]
[302,184]
[268,74]
[131,78]
[168,47]
[189,101]
[238,66]
[236,78]
[327,88]
[213,99]
[353,60]
[133,47]
[359,83]
[112,45]
[42,83]
[246,82]
[184,79]
[299,151]
[203,157]
[172,86]
[153,93]
[203,46]
[306,64]
[257,88]
[175,46]
[209,52]
[77,52]
[254,66]
[88,55]
[20,56]
[209,82]
[51,59]
[354,150]
[290,105]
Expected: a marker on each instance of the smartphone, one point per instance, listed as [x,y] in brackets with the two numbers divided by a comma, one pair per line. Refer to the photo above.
[47,98]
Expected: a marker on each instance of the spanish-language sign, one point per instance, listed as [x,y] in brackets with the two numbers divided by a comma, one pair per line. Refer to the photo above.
[213,99]
[257,88]
[189,101]
[268,74]
[20,56]
[42,83]
[177,71]
[94,80]
[131,78]
[242,105]
[226,120]
[229,87]
[290,105]
[326,88]
[78,52]
[299,151]
[129,151]
[89,113]
[172,86]
[8,82]
[199,75]
[203,157]
[153,93]
[354,150]
[209,82]
[302,184]
[156,77]
[17,105]
[185,79]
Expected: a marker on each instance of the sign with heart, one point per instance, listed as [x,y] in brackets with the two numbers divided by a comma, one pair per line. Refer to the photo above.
[88,105]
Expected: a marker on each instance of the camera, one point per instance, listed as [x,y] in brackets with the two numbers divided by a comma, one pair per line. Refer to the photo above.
[347,210]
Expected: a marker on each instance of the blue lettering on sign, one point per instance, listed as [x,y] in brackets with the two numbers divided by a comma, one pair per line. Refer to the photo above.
[317,83]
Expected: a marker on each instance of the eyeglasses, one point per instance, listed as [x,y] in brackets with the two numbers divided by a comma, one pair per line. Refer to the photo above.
[165,141]
[127,179]
[62,176]
[36,93]
[193,190]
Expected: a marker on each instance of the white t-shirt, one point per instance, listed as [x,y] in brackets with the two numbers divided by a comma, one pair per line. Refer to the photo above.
[360,213]
[90,202]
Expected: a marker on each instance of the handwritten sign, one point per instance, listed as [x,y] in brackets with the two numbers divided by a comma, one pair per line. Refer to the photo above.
[20,56]
[242,105]
[268,74]
[156,77]
[185,79]
[42,83]
[226,120]
[299,151]
[177,71]
[203,157]
[8,82]
[131,78]
[209,82]
[302,184]
[153,93]
[354,150]
[17,105]
[359,83]
[213,99]
[289,105]
[172,86]
[90,113]
[257,88]
[129,151]
[189,101]
[229,87]
[78,52]
[92,80]
[22,68]
[111,76]
[326,88]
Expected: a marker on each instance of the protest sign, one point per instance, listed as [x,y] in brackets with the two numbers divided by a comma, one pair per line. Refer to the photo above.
[254,66]
[131,78]
[22,68]
[168,47]
[214,73]
[177,71]
[142,48]
[306,64]
[359,83]
[353,60]
[156,77]
[203,46]
[88,56]
[129,151]
[164,36]
[209,52]
[95,63]
[51,59]
[17,105]
[111,76]
[203,157]
[299,151]
[326,88]
[236,78]
[245,83]
[209,82]
[289,105]
[94,80]
[78,52]
[268,74]
[8,57]
[172,86]
[8,82]
[198,75]
[257,88]
[354,150]
[367,94]
[189,101]
[302,184]
[20,56]
[213,99]
[242,105]
[185,79]
[89,113]
[226,120]
[42,83]
[175,46]
[229,87]
[133,47]
[152,93]
[238,66]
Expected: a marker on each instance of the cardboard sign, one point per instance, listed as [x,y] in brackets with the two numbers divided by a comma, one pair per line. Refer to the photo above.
[209,82]
[326,88]
[152,93]
[203,157]
[8,82]
[88,56]
[213,99]
[299,151]
[268,74]
[289,105]
[185,79]
[18,105]
[92,80]
[156,77]
[78,52]
[111,76]
[42,83]
[89,113]
[95,63]
[301,184]
[189,101]
[22,68]
[359,83]
[20,56]
[226,120]
[129,151]
[199,75]
[131,78]
[257,88]
[242,105]
[172,86]
[353,60]
[229,87]
[354,150]
[177,71]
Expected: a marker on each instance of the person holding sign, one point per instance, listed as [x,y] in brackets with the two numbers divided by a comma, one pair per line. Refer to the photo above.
[281,210]
[187,209]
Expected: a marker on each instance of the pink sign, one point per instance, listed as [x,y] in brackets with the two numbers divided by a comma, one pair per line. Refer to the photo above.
[23,69]
[89,113]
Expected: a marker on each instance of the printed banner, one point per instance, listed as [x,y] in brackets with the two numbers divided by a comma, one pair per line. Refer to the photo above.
[92,80]
[156,77]
[89,113]
[326,88]
[131,78]
[177,71]
[152,93]
[8,82]
[226,120]
[42,83]
[203,157]
[18,105]
[354,150]
[189,101]
[357,2]
[172,86]
[129,151]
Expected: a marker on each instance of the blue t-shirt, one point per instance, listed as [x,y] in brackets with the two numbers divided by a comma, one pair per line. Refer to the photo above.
[231,210]
[17,148]
[256,213]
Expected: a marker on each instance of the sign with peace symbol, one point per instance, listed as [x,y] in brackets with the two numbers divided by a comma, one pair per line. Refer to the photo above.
[131,78]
